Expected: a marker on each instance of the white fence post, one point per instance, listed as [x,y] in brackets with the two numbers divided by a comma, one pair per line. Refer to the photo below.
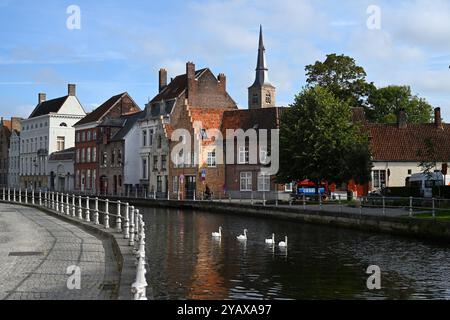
[67,204]
[63,204]
[119,217]
[20,195]
[32,196]
[4,195]
[96,217]
[106,214]
[126,227]
[131,242]
[88,213]
[80,209]
[410,206]
[73,206]
[26,196]
[14,194]
[40,198]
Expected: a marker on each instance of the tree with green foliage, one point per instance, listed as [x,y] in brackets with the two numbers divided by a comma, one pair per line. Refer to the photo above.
[318,140]
[347,81]
[341,76]
[385,103]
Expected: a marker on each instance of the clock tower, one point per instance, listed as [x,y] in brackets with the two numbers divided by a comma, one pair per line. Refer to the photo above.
[261,94]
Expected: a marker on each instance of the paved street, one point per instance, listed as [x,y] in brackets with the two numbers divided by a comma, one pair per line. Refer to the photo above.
[35,251]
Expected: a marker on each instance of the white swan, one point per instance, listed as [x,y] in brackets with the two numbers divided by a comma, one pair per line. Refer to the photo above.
[283,244]
[217,234]
[271,241]
[243,237]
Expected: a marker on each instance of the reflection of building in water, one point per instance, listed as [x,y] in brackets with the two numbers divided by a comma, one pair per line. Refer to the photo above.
[207,281]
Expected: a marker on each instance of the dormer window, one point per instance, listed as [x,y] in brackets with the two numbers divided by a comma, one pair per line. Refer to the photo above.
[63,124]
[203,134]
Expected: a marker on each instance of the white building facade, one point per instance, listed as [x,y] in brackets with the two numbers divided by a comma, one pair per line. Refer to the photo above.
[48,129]
[61,168]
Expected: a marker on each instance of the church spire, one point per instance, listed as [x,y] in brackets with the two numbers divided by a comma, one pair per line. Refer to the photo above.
[262,72]
[261,94]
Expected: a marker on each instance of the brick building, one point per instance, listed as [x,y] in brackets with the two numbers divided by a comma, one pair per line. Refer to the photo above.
[87,134]
[199,97]
[6,129]
[244,178]
[116,136]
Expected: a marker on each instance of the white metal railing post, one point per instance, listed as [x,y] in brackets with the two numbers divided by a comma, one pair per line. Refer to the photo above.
[63,205]
[194,195]
[26,196]
[131,242]
[410,206]
[40,198]
[154,194]
[137,226]
[119,217]
[96,217]
[68,204]
[138,288]
[53,200]
[4,195]
[126,227]
[251,198]
[14,194]
[9,195]
[32,196]
[74,208]
[106,214]
[80,209]
[88,213]
[20,195]
[264,198]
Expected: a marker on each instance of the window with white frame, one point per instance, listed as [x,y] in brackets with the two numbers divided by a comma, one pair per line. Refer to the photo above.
[60,143]
[263,182]
[78,156]
[211,160]
[150,137]
[94,154]
[243,155]
[88,155]
[379,178]
[83,155]
[246,181]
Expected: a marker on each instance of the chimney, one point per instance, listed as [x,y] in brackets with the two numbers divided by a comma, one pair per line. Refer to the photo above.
[162,79]
[41,97]
[190,70]
[222,82]
[437,117]
[401,120]
[72,88]
[191,85]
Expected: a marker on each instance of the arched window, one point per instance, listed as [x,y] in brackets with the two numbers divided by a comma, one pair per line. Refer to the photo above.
[63,124]
[268,97]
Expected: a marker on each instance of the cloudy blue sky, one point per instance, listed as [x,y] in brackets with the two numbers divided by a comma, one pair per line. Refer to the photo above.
[122,44]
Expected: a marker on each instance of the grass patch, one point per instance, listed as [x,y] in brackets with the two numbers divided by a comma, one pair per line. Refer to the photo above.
[443,215]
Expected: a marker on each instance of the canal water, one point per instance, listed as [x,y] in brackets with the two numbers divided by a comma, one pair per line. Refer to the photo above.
[185,262]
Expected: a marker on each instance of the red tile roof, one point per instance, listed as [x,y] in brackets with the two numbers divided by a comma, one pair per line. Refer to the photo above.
[175,87]
[390,143]
[264,118]
[103,110]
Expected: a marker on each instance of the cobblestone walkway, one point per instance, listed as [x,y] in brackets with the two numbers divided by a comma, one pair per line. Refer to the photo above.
[35,251]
